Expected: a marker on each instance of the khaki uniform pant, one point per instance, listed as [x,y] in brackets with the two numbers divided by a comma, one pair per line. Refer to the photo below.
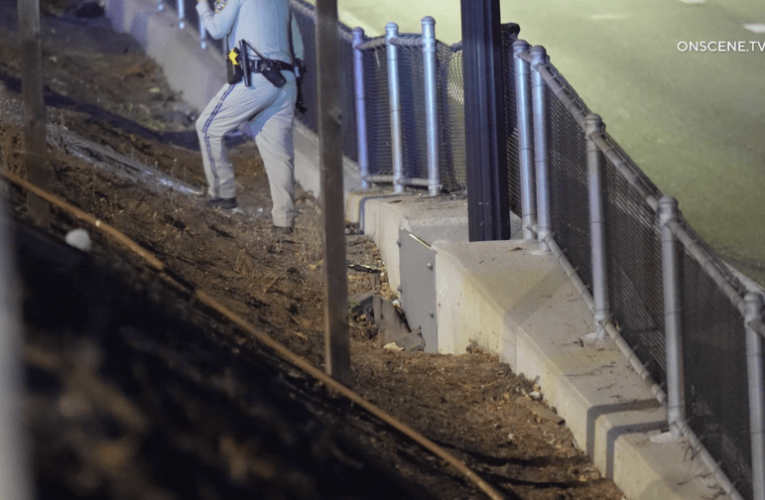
[269,112]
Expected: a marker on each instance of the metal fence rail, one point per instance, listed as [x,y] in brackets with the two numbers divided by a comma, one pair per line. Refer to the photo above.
[686,317]
[685,322]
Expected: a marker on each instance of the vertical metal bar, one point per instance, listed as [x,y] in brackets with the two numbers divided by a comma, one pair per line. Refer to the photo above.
[337,340]
[394,96]
[38,172]
[202,35]
[361,108]
[523,96]
[754,356]
[539,92]
[485,137]
[181,14]
[14,479]
[672,317]
[431,106]
[595,161]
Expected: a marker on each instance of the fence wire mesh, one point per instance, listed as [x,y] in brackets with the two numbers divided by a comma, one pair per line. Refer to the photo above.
[449,101]
[717,401]
[451,106]
[634,259]
[305,16]
[509,36]
[377,107]
[715,368]
[569,196]
[412,91]
[713,330]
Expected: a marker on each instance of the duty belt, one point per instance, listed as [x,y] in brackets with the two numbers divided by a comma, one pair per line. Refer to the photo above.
[280,65]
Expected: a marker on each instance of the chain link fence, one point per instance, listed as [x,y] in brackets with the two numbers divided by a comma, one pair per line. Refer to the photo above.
[713,330]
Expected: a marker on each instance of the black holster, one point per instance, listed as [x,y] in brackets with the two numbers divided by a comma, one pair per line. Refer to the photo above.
[273,74]
[234,73]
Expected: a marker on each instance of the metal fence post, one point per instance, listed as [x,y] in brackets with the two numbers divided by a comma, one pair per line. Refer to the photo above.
[594,126]
[539,91]
[672,326]
[431,106]
[528,196]
[202,35]
[394,96]
[754,356]
[523,103]
[181,14]
[361,109]
[328,78]
[528,199]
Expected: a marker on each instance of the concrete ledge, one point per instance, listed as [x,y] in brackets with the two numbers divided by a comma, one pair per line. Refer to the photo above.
[520,306]
[524,308]
[307,172]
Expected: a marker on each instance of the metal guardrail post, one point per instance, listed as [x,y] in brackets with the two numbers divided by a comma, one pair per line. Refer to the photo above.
[361,109]
[672,318]
[528,197]
[525,152]
[181,14]
[754,356]
[394,96]
[431,105]
[202,35]
[593,124]
[539,92]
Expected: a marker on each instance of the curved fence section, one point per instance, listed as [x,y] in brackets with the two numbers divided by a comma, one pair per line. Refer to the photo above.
[678,307]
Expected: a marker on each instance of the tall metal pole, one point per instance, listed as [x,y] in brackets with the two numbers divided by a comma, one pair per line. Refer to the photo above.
[672,316]
[38,172]
[14,479]
[526,152]
[394,99]
[181,14]
[431,106]
[595,160]
[337,342]
[488,197]
[202,35]
[361,107]
[541,158]
[754,355]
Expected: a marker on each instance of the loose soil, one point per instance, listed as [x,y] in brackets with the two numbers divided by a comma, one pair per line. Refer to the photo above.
[137,391]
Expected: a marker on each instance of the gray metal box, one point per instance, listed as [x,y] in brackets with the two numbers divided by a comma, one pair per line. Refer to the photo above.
[418,286]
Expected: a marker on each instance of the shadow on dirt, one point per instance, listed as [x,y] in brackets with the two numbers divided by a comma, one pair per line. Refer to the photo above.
[127,400]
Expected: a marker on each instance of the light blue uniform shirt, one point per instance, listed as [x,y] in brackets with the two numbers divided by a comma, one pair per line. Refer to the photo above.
[265,24]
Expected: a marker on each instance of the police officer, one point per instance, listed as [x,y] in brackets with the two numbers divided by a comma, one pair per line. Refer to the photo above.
[269,29]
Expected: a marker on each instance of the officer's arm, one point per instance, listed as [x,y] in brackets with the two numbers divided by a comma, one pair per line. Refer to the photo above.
[218,24]
[297,40]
